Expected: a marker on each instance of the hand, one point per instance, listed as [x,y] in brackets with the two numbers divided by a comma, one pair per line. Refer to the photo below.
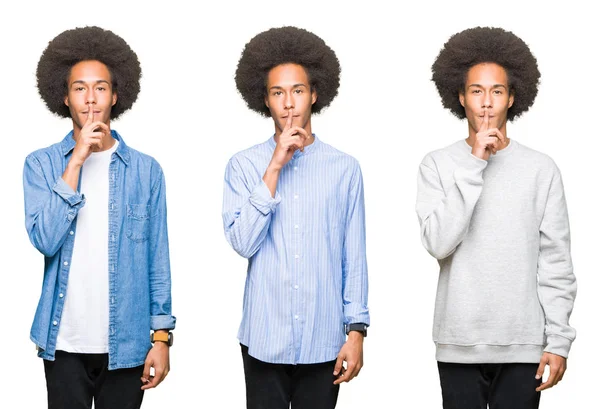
[290,139]
[558,366]
[489,140]
[352,353]
[157,358]
[90,138]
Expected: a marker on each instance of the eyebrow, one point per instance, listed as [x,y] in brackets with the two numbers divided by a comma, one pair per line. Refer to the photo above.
[293,86]
[481,86]
[83,82]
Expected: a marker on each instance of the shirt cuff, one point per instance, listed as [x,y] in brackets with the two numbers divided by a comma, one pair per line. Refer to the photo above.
[162,322]
[262,200]
[65,191]
[557,345]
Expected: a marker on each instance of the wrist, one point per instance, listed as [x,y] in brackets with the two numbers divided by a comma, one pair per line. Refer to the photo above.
[274,168]
[356,336]
[74,165]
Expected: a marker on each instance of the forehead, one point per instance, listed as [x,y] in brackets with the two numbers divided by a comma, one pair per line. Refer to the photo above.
[89,71]
[287,75]
[487,74]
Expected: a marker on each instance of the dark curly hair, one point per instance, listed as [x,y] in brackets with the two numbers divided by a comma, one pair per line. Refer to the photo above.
[287,45]
[486,44]
[85,44]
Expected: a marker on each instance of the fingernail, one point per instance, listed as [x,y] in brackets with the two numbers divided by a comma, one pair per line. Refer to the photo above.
[537,376]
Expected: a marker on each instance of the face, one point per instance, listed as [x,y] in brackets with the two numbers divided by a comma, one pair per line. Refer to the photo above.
[90,85]
[486,89]
[288,88]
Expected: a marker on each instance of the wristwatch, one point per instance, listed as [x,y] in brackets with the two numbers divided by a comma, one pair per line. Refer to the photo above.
[360,327]
[161,336]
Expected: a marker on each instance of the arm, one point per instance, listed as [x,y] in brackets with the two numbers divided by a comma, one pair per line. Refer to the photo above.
[556,282]
[247,210]
[50,207]
[445,216]
[160,286]
[160,268]
[557,286]
[355,282]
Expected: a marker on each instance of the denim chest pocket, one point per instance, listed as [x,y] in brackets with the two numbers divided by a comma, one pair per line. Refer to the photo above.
[138,222]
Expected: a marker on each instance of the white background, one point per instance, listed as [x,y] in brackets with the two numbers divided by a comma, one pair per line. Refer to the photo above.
[190,117]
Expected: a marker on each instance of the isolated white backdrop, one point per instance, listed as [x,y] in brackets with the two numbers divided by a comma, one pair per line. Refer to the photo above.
[388,115]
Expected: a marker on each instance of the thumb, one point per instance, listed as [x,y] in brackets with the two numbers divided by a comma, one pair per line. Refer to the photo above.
[338,365]
[541,367]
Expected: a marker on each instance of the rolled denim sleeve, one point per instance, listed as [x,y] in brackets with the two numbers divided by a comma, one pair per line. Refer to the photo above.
[247,210]
[51,205]
[160,268]
[354,262]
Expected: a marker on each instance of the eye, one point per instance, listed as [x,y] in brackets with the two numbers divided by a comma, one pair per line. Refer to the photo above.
[101,89]
[298,91]
[79,88]
[476,91]
[497,92]
[277,93]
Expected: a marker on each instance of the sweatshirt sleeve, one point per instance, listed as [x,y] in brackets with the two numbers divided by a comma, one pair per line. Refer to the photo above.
[557,286]
[445,213]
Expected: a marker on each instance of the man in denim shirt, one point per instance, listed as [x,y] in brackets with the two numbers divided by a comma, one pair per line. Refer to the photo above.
[96,209]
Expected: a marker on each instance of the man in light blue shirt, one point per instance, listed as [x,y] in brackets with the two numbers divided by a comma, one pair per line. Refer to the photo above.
[294,207]
[96,209]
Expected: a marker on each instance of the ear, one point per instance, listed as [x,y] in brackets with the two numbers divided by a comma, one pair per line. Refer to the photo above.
[314,96]
[511,99]
[114,99]
[461,98]
[267,102]
[66,100]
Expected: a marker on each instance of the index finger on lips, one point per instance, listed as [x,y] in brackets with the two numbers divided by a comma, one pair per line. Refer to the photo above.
[288,123]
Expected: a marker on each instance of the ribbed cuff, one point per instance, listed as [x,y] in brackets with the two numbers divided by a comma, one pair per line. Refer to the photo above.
[557,345]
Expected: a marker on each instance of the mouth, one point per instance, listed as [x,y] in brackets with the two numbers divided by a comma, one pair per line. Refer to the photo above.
[293,116]
[86,112]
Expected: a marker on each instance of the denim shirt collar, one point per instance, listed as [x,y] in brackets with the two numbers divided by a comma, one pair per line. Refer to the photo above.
[68,143]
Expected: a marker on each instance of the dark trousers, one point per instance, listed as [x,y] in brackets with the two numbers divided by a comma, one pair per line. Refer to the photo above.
[275,386]
[503,386]
[73,380]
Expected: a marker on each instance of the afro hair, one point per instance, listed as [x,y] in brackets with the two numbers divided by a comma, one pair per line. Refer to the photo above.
[287,45]
[480,45]
[86,44]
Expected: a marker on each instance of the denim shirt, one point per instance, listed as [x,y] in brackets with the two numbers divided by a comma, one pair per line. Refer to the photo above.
[138,251]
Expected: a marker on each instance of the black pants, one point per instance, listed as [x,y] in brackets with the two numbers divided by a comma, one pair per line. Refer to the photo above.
[73,380]
[503,386]
[275,386]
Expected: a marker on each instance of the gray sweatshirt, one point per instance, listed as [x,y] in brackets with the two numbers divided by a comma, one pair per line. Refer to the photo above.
[500,231]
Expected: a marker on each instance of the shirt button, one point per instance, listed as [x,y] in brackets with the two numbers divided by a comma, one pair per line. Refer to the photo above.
[296,256]
[66,263]
[296,226]
[295,167]
[71,232]
[296,286]
[295,196]
[61,295]
[295,317]
[54,323]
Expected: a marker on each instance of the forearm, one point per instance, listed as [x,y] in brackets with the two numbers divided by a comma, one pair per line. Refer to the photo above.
[71,174]
[271,177]
[445,216]
[50,208]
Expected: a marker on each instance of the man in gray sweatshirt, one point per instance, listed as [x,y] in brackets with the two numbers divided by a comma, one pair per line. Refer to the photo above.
[493,212]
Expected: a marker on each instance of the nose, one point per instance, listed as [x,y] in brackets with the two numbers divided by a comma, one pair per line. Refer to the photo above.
[90,96]
[487,100]
[289,101]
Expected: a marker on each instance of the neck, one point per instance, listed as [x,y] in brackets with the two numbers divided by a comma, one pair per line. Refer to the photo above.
[473,137]
[306,127]
[107,140]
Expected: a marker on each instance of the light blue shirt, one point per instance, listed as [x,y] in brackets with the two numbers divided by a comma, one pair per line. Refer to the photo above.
[307,266]
[138,250]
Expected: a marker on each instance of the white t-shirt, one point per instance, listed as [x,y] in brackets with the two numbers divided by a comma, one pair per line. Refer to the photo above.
[84,323]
